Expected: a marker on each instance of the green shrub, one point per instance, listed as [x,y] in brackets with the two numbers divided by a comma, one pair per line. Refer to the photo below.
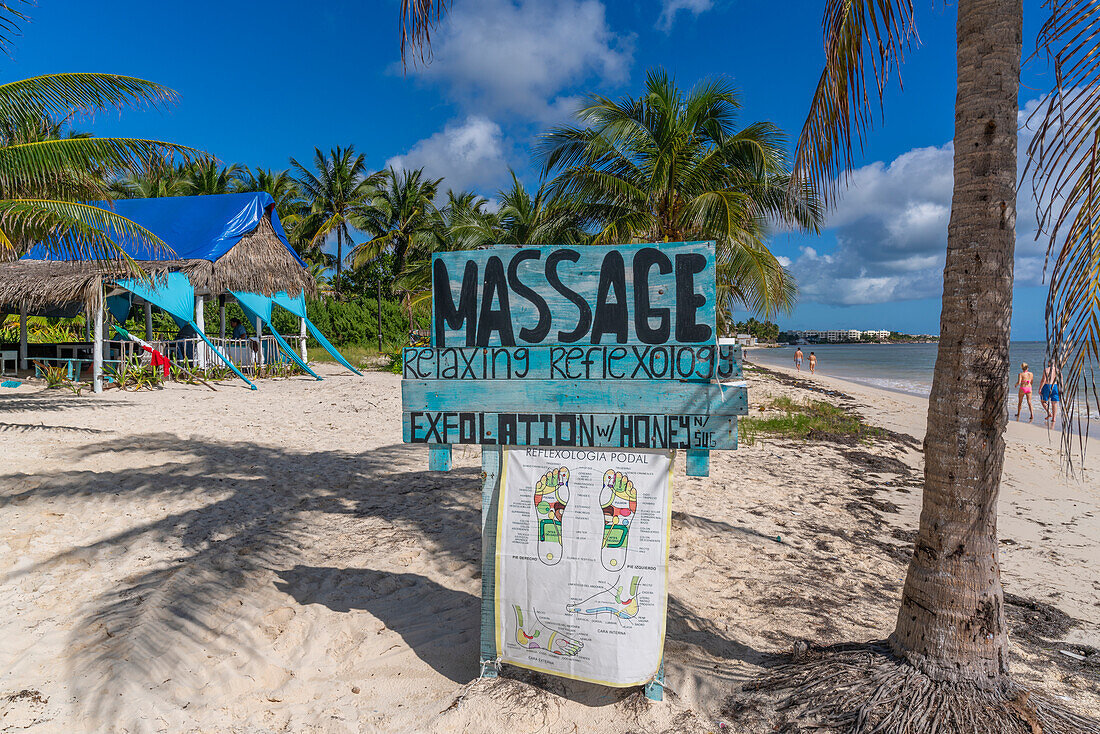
[811,420]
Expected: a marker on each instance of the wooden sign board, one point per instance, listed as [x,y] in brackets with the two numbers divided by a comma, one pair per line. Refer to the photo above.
[602,346]
[608,346]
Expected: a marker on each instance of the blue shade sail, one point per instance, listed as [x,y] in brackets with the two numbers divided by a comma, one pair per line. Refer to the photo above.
[194,227]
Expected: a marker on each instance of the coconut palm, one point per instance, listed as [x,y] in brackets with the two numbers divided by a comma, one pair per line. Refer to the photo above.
[44,173]
[159,177]
[203,178]
[335,188]
[950,629]
[282,187]
[671,166]
[522,218]
[401,218]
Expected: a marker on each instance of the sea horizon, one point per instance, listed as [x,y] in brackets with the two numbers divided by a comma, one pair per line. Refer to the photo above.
[905,367]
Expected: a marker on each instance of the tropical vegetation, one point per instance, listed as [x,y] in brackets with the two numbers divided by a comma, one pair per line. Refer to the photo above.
[670,166]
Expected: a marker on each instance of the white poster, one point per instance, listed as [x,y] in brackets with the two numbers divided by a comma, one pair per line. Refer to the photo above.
[581,562]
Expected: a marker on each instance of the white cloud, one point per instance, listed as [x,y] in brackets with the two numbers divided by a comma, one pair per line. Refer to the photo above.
[468,154]
[518,56]
[891,231]
[669,9]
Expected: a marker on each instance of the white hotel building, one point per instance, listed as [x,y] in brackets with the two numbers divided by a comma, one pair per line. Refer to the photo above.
[842,335]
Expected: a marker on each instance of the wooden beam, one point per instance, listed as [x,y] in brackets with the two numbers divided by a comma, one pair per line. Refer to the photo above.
[578,362]
[625,431]
[439,457]
[574,396]
[491,457]
[698,463]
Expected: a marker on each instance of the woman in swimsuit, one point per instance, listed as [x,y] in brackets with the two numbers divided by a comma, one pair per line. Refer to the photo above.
[1023,384]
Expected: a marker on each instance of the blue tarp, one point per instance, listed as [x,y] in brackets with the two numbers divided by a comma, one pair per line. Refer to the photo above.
[256,306]
[119,307]
[297,306]
[195,227]
[174,294]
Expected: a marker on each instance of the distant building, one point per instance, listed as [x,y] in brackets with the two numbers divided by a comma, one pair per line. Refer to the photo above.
[839,335]
[746,340]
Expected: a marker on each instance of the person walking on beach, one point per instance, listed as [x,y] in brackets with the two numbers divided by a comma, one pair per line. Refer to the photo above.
[798,359]
[813,363]
[1023,385]
[1048,391]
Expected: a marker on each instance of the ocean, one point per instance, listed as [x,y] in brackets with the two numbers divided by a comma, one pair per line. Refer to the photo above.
[903,367]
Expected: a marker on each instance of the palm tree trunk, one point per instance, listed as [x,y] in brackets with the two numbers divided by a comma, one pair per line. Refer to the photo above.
[951,623]
[339,258]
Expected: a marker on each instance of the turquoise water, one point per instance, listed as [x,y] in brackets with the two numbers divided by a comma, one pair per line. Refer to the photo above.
[904,367]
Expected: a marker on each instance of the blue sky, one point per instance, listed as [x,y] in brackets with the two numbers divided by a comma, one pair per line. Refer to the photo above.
[259,83]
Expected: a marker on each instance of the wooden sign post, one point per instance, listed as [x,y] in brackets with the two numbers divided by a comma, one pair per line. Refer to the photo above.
[602,346]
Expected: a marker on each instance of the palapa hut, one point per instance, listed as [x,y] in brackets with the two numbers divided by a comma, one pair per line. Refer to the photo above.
[223,247]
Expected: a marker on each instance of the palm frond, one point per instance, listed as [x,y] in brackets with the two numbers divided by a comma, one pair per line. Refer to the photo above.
[62,95]
[418,19]
[32,167]
[859,35]
[10,19]
[78,231]
[1064,159]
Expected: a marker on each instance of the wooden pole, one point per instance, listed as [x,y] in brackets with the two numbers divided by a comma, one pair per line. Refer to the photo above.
[491,457]
[148,321]
[221,316]
[302,339]
[97,349]
[259,339]
[200,322]
[23,337]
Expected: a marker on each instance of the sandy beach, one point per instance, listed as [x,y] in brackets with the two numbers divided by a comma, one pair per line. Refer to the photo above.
[278,561]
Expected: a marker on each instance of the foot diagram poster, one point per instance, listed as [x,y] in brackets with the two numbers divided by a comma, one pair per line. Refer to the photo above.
[581,562]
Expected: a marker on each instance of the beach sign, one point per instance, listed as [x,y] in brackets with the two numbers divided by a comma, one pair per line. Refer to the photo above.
[610,352]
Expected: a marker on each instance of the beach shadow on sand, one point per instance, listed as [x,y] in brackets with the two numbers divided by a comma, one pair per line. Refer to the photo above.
[440,625]
[259,502]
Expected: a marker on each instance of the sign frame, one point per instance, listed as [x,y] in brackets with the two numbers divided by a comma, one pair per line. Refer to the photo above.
[588,346]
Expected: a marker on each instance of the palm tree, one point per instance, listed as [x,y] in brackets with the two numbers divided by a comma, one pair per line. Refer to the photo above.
[45,173]
[946,667]
[669,166]
[335,188]
[203,178]
[521,219]
[159,177]
[401,218]
[282,187]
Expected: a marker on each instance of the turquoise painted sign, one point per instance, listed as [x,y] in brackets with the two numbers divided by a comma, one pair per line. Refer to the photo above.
[603,346]
[625,294]
[637,362]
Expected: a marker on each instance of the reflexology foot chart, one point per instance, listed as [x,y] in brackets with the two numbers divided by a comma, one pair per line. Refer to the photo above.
[619,501]
[581,562]
[551,497]
[532,634]
[616,600]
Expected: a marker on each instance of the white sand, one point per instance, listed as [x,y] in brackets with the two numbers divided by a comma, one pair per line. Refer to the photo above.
[237,561]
